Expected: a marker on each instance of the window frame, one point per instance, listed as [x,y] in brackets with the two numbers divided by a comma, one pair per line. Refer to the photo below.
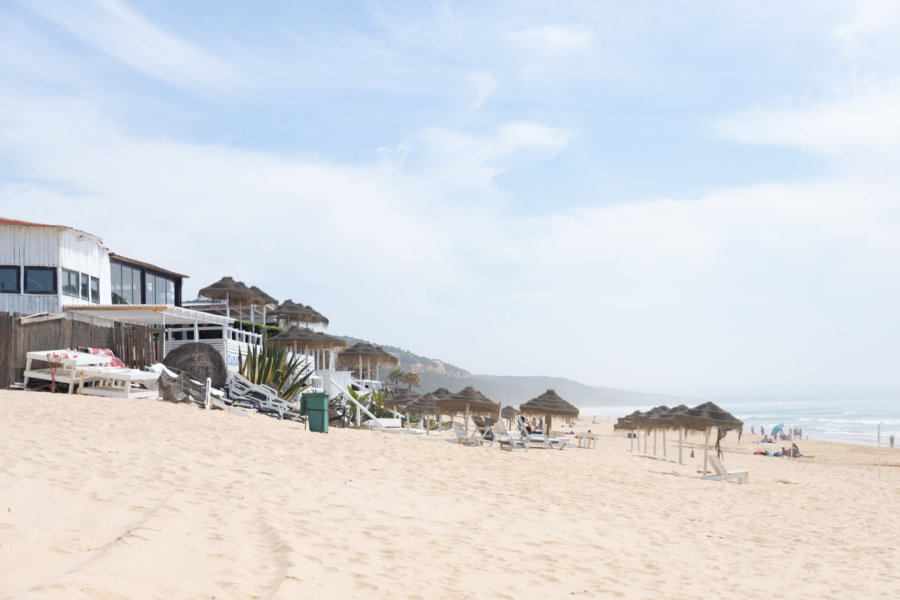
[95,291]
[18,271]
[53,271]
[64,282]
[85,287]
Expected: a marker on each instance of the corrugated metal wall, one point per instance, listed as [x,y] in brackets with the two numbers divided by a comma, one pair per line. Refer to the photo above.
[36,246]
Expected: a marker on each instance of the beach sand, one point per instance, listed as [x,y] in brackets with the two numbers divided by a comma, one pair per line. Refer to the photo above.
[110,498]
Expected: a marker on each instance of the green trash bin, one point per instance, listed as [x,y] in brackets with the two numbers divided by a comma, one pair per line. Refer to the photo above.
[316,411]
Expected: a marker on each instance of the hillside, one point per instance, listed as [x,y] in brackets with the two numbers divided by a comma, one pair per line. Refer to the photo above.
[512,389]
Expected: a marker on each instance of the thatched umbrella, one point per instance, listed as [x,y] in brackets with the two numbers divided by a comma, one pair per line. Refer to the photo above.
[629,423]
[643,422]
[509,413]
[293,312]
[198,360]
[666,420]
[704,417]
[298,338]
[442,392]
[371,353]
[400,399]
[360,351]
[466,400]
[549,404]
[422,406]
[228,289]
[260,298]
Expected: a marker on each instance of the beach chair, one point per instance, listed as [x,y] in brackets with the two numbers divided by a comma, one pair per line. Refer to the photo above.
[721,473]
[461,438]
[539,439]
[503,437]
[483,430]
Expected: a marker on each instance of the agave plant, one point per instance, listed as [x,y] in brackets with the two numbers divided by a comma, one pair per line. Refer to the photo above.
[271,366]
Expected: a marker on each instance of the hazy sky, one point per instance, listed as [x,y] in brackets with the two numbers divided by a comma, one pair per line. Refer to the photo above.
[634,194]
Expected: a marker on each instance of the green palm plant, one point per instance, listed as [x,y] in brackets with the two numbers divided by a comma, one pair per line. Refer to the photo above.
[271,366]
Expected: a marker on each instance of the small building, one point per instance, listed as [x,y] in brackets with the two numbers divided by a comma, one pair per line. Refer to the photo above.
[45,267]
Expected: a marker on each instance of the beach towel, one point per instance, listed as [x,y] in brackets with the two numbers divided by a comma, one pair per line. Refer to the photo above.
[115,362]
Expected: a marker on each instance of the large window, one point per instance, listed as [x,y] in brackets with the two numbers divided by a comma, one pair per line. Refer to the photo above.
[40,280]
[160,290]
[126,284]
[9,280]
[70,283]
[95,290]
[85,287]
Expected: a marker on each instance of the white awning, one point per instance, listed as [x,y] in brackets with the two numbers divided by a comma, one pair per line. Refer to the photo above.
[148,314]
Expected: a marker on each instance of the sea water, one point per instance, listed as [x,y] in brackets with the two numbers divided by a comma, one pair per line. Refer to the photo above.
[842,417]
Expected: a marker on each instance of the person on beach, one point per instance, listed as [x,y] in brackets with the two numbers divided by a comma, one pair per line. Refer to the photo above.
[762,431]
[891,440]
[753,430]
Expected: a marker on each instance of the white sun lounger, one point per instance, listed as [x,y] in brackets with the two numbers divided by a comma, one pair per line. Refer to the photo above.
[116,382]
[721,473]
[68,371]
[540,439]
[503,437]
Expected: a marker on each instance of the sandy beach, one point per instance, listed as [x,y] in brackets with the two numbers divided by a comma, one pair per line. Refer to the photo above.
[111,498]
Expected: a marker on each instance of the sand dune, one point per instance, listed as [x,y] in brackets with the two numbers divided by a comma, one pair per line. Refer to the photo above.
[104,498]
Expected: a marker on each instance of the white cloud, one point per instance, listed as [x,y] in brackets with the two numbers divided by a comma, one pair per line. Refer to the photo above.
[116,29]
[867,118]
[552,38]
[482,85]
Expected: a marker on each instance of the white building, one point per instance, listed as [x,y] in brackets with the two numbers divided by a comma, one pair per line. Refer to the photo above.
[46,267]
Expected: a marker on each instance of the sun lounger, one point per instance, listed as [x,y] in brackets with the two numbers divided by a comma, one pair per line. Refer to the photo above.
[506,440]
[118,382]
[721,473]
[65,366]
[483,430]
[539,439]
[461,438]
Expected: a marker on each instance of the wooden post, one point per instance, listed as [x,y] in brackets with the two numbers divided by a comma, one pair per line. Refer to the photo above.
[680,438]
[705,450]
[206,395]
[654,442]
[879,451]
[632,443]
[664,444]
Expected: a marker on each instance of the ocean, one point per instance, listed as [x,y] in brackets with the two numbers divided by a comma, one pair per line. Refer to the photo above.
[849,418]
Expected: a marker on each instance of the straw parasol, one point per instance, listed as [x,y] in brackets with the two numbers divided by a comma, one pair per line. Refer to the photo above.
[424,405]
[704,417]
[468,400]
[665,420]
[549,404]
[509,413]
[442,392]
[371,353]
[401,398]
[299,338]
[228,289]
[294,312]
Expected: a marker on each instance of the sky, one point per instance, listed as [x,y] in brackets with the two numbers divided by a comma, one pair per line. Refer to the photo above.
[648,195]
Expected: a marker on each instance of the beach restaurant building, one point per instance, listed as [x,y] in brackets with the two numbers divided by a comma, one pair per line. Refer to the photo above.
[46,267]
[58,269]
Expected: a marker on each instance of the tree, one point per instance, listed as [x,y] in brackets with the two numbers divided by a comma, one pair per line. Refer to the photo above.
[396,376]
[412,380]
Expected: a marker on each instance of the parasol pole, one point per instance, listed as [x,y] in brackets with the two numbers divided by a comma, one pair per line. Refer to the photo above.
[466,420]
[632,443]
[227,309]
[705,450]
[360,367]
[664,444]
[654,442]
[879,451]
[680,438]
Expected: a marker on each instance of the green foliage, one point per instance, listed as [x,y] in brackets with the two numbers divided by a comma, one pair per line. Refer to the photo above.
[269,330]
[373,401]
[271,366]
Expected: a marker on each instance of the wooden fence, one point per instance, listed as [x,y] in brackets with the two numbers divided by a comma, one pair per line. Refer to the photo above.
[134,344]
